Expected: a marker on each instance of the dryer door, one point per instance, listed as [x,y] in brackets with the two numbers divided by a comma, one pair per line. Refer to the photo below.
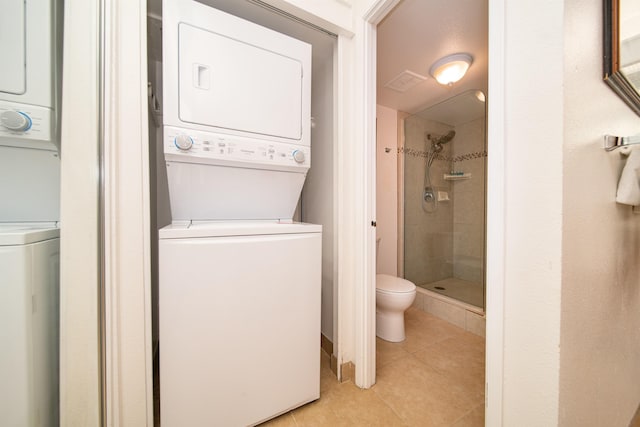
[12,46]
[234,85]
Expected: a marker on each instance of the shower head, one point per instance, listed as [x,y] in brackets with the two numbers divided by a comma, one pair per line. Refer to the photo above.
[436,144]
[438,140]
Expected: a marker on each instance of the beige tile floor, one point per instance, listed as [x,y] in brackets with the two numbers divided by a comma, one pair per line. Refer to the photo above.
[434,378]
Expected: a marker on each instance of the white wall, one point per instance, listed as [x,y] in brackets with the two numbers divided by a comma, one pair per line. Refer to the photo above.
[318,194]
[387,190]
[525,211]
[600,328]
[571,301]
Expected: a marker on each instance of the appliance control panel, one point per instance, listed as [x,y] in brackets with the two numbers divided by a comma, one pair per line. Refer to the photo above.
[219,149]
[26,126]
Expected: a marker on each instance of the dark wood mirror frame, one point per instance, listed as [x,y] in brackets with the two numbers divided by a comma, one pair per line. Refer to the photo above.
[612,73]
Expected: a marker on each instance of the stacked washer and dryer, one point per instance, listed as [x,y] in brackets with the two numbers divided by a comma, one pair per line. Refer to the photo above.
[29,212]
[239,281]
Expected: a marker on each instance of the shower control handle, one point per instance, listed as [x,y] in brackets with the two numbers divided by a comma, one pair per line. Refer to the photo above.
[428,195]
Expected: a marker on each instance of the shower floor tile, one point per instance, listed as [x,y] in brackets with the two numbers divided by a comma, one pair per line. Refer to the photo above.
[462,290]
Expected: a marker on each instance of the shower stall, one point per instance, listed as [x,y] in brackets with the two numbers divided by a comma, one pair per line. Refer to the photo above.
[443,159]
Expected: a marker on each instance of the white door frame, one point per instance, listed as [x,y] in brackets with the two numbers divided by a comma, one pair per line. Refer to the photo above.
[365,328]
[356,172]
[495,268]
[366,293]
[80,349]
[127,349]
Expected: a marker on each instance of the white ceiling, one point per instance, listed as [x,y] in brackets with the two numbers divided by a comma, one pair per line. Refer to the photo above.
[419,32]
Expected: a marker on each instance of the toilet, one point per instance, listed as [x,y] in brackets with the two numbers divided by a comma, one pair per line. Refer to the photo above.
[393,296]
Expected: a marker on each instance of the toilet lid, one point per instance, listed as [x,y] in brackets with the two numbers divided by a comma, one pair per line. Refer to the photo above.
[385,282]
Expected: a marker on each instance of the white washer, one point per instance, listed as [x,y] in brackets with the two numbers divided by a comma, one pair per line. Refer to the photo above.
[239,321]
[29,283]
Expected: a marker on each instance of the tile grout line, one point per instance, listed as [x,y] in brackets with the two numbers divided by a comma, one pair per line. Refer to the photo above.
[473,408]
[400,417]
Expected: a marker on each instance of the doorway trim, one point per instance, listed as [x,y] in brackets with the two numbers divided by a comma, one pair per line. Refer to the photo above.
[495,255]
[80,351]
[128,384]
[365,295]
[495,268]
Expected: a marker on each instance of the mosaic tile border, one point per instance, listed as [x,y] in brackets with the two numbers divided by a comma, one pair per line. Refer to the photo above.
[471,156]
[419,153]
[423,154]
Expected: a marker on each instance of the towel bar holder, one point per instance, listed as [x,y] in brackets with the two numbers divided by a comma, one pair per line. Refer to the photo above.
[612,142]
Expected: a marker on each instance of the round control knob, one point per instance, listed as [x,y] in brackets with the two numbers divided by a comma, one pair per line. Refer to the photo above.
[15,120]
[298,156]
[183,142]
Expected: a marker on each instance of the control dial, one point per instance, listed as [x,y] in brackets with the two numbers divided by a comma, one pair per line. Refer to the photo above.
[15,120]
[298,156]
[183,142]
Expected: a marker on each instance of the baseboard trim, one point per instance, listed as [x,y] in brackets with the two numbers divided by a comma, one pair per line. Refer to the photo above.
[347,370]
[334,365]
[326,345]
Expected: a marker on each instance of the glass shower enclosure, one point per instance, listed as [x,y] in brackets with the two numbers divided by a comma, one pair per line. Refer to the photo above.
[444,189]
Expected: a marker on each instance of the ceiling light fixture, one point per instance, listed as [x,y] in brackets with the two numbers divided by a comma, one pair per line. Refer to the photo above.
[451,68]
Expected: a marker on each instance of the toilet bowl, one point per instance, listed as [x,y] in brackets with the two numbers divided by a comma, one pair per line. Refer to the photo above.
[393,296]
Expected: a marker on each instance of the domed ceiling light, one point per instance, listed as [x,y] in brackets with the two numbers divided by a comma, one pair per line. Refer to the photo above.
[451,68]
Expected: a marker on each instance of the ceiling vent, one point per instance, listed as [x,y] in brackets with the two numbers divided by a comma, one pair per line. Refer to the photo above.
[405,81]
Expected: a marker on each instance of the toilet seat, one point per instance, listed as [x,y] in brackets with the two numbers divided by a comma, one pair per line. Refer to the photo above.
[387,284]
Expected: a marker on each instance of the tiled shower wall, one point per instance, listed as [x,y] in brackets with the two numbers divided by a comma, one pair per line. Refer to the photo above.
[450,241]
[428,237]
[469,156]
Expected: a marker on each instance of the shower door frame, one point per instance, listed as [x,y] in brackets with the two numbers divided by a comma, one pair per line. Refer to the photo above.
[401,209]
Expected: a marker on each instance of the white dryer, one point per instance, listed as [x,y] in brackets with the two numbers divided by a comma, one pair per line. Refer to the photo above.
[237,112]
[30,75]
[239,283]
